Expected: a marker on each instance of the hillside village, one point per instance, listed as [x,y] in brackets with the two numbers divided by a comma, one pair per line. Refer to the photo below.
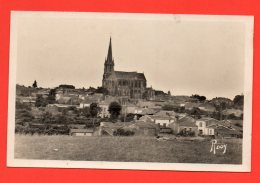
[124,106]
[89,112]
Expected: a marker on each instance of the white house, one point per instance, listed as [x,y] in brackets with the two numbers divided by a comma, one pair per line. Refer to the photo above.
[164,121]
[205,126]
[104,110]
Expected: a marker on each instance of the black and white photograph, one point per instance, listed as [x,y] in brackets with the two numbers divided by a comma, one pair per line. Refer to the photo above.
[130,91]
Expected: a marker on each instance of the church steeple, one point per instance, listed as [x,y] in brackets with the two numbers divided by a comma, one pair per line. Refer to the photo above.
[109,58]
[109,62]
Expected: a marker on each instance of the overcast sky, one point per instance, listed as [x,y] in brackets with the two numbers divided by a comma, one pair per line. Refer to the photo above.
[185,56]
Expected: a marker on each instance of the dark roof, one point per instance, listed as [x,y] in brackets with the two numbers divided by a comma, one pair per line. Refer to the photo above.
[142,124]
[188,124]
[225,130]
[187,121]
[209,121]
[129,75]
[186,118]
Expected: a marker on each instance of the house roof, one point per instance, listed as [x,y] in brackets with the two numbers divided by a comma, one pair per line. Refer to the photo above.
[186,118]
[187,121]
[162,117]
[188,124]
[129,75]
[209,121]
[225,130]
[145,111]
[165,113]
[142,124]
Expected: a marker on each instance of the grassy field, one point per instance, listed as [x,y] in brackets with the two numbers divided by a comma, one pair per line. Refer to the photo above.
[134,149]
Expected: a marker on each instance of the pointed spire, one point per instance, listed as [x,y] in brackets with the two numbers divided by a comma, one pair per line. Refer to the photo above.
[109,53]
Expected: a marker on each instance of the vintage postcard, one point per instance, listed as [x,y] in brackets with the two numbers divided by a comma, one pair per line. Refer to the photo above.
[130,91]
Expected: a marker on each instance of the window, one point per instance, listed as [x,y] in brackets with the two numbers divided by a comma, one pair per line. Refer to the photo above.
[200,124]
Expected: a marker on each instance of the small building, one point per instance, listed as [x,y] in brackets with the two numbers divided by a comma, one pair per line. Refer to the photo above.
[144,111]
[163,121]
[104,113]
[141,128]
[226,132]
[205,126]
[186,124]
[81,132]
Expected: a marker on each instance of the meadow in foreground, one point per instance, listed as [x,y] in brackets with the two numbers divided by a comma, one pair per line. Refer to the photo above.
[128,149]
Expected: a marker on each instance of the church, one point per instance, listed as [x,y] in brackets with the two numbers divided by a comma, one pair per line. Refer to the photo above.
[120,83]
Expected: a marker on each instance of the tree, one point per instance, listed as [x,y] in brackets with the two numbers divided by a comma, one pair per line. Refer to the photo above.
[102,90]
[169,93]
[200,98]
[34,84]
[239,100]
[196,112]
[47,118]
[40,101]
[65,86]
[94,109]
[86,112]
[52,96]
[220,107]
[114,109]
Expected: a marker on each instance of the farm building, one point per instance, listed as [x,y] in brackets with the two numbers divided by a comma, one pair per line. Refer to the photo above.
[81,132]
[142,128]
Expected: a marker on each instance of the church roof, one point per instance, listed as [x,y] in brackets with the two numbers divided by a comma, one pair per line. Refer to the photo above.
[129,75]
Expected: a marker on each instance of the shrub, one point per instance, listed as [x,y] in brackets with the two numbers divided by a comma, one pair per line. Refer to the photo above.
[186,133]
[238,125]
[122,132]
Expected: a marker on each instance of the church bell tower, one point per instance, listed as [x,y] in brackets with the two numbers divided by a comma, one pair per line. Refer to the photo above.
[109,63]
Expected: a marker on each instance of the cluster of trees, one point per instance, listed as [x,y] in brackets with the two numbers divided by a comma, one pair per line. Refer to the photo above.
[65,86]
[114,109]
[102,90]
[42,101]
[186,133]
[159,92]
[199,98]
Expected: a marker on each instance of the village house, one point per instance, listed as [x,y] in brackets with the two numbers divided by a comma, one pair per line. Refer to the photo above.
[221,131]
[144,111]
[163,121]
[89,100]
[141,128]
[104,113]
[205,126]
[187,124]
